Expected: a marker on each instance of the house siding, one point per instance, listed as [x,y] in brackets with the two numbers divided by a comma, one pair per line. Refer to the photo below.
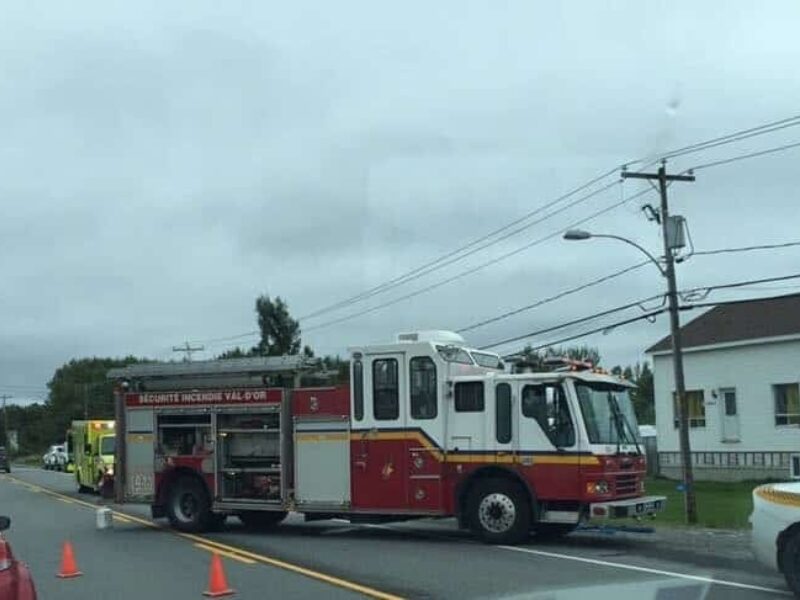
[763,449]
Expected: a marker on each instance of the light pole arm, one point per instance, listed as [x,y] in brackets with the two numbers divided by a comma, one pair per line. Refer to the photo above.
[641,249]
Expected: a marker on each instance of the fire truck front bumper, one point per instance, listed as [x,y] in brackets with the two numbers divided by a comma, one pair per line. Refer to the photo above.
[632,507]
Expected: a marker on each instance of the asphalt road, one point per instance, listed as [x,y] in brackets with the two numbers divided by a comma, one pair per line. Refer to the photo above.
[420,559]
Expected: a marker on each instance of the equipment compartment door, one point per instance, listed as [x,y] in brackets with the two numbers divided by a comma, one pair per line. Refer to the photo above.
[139,438]
[322,461]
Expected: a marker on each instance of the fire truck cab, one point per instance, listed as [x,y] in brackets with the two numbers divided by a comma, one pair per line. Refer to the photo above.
[427,428]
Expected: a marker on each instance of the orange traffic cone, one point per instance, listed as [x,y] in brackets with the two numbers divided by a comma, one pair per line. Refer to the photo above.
[69,567]
[217,584]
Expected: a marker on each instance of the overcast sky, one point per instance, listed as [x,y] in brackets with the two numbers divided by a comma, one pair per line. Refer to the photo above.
[162,166]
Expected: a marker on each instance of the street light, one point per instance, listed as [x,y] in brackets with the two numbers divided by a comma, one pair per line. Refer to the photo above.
[668,272]
[577,235]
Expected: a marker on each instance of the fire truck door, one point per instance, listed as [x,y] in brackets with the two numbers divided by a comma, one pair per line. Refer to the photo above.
[380,442]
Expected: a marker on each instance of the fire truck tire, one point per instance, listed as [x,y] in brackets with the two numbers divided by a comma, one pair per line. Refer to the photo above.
[498,511]
[188,505]
[259,519]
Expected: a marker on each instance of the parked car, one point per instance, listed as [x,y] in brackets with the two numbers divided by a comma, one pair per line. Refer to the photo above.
[55,458]
[5,465]
[16,582]
[776,529]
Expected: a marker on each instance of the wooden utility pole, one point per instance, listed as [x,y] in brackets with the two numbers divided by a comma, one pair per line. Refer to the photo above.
[690,503]
[187,349]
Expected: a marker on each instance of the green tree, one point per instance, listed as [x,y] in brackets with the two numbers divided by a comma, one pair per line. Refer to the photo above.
[644,396]
[80,388]
[235,353]
[280,333]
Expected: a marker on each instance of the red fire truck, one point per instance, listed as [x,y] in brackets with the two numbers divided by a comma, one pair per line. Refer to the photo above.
[427,428]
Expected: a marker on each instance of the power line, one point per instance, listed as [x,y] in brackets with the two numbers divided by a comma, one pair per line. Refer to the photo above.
[726,161]
[724,286]
[746,248]
[610,276]
[733,137]
[578,321]
[736,136]
[553,298]
[649,316]
[707,289]
[475,269]
[457,256]
[426,267]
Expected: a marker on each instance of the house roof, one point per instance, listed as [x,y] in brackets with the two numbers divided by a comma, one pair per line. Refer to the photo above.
[740,321]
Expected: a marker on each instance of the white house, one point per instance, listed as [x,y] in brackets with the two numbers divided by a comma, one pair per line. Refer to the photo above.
[742,369]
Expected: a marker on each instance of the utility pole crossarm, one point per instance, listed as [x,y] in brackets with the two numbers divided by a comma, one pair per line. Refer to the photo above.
[626,175]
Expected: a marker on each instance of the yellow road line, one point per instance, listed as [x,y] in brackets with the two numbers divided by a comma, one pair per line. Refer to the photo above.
[66,501]
[122,519]
[240,552]
[211,549]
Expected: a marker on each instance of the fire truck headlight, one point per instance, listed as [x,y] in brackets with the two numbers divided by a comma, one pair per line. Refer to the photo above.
[597,487]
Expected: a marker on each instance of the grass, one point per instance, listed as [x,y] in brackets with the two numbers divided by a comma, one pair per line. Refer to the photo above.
[720,505]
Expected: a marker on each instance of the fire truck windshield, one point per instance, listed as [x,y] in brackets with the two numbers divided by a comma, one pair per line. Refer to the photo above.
[608,413]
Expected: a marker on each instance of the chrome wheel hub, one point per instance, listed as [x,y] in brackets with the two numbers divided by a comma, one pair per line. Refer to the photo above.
[497,513]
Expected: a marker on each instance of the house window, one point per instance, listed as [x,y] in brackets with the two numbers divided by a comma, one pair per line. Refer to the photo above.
[697,408]
[422,372]
[469,396]
[385,389]
[787,403]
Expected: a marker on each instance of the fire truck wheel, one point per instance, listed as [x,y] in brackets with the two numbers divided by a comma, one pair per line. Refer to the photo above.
[498,511]
[188,507]
[258,519]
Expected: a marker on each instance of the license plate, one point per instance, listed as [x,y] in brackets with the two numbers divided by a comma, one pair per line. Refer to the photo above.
[648,507]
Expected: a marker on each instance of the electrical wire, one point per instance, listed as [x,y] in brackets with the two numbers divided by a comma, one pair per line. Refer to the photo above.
[726,161]
[426,267]
[733,137]
[472,270]
[553,298]
[435,264]
[649,316]
[746,248]
[442,263]
[732,285]
[578,321]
